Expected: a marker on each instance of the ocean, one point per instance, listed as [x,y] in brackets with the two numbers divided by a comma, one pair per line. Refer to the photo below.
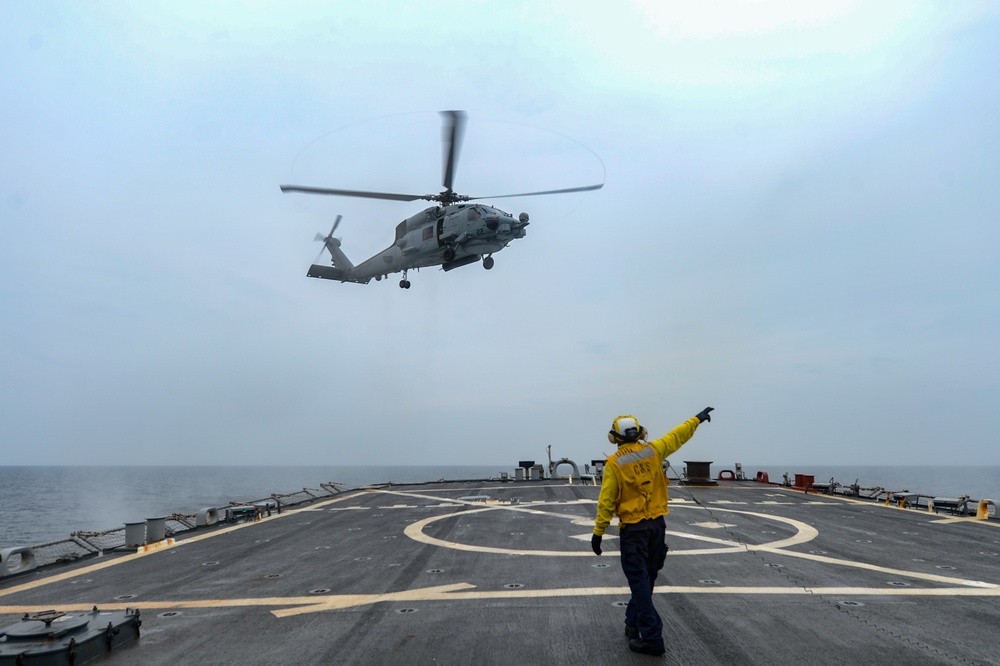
[46,503]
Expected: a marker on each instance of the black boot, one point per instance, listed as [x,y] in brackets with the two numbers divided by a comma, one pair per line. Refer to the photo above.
[646,647]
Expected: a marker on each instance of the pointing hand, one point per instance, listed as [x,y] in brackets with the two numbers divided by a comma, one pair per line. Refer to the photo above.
[703,415]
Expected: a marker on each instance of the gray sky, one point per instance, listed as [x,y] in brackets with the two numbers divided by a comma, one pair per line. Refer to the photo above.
[798,227]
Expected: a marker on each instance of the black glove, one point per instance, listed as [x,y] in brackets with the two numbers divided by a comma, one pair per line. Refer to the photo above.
[595,543]
[703,415]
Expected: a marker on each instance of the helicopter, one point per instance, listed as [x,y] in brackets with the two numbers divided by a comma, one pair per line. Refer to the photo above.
[451,234]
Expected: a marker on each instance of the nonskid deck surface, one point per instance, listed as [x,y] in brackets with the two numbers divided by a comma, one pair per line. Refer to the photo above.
[459,573]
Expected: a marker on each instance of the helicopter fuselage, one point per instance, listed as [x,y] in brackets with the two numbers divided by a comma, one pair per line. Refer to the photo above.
[448,236]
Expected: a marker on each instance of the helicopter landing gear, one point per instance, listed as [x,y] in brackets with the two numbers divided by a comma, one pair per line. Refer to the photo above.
[404,283]
[487,262]
[449,254]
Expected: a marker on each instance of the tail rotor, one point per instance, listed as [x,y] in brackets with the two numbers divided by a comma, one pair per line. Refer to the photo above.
[329,242]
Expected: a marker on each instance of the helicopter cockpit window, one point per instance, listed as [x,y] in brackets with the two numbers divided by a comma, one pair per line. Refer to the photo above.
[400,230]
[473,214]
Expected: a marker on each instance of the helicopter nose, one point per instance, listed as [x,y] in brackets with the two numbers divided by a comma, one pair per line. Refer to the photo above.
[519,225]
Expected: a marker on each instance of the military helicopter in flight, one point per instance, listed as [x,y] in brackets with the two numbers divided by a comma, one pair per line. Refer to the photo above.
[451,234]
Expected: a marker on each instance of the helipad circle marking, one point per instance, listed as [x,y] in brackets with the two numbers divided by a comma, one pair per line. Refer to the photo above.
[804,533]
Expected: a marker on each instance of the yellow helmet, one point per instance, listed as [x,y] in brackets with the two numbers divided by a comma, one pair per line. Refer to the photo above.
[626,429]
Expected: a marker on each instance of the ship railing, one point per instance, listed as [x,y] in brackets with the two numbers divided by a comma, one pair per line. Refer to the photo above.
[983,509]
[870,493]
[954,505]
[83,544]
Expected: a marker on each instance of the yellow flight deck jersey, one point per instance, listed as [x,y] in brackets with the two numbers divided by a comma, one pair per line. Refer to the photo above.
[634,484]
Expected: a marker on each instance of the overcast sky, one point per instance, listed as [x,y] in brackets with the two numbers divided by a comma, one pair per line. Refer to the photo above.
[799,227]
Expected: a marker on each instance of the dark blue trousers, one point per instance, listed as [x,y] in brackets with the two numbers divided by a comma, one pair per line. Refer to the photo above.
[643,550]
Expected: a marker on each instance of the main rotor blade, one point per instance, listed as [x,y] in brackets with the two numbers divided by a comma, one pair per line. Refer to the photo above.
[451,135]
[585,188]
[353,193]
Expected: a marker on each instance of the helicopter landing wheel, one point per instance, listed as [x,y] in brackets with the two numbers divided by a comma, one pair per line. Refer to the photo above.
[404,284]
[487,263]
[449,254]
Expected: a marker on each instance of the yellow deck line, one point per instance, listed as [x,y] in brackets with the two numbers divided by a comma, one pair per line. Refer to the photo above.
[468,592]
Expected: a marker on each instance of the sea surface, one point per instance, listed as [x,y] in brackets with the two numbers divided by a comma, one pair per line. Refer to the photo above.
[46,503]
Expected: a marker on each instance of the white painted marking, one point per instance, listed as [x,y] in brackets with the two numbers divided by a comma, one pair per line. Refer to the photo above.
[804,533]
[128,558]
[465,591]
[712,526]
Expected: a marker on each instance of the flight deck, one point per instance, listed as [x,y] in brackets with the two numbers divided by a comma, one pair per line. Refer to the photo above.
[492,572]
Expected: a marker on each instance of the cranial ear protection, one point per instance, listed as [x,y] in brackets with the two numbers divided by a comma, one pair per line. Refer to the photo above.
[626,429]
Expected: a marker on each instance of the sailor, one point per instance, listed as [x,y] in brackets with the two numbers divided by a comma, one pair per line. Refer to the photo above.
[635,488]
